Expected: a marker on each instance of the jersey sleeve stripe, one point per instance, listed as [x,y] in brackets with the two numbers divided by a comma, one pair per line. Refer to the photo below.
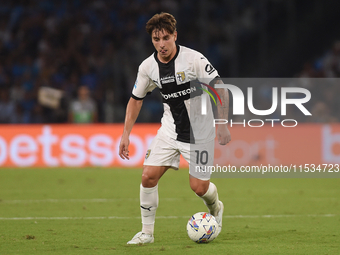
[136,98]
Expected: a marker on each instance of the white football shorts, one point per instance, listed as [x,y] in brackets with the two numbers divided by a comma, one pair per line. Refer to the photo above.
[165,151]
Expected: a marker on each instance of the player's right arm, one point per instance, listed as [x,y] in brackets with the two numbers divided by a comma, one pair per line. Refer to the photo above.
[142,87]
[132,112]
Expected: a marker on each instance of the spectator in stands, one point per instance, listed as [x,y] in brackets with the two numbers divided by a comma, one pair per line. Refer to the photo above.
[332,61]
[7,108]
[84,109]
[321,113]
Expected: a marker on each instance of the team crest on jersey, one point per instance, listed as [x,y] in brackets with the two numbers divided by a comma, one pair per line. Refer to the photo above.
[180,76]
[147,154]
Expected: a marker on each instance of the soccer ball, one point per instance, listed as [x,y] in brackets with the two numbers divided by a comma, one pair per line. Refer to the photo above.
[202,227]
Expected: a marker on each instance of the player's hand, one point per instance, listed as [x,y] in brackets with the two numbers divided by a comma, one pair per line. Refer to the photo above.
[223,134]
[124,147]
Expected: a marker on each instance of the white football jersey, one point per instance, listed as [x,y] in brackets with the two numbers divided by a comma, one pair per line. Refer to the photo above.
[176,81]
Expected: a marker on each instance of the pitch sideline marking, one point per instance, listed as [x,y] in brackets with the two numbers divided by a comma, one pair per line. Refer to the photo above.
[166,217]
[94,200]
[107,200]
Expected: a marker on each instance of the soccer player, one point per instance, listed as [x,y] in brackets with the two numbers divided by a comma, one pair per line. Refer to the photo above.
[173,68]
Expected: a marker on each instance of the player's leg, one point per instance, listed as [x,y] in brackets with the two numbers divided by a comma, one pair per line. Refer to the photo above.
[200,187]
[149,196]
[148,202]
[207,191]
[160,157]
[200,156]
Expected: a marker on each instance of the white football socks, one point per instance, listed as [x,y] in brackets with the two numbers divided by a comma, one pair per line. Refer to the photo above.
[210,199]
[148,206]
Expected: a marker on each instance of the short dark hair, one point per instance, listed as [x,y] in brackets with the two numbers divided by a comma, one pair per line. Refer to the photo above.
[161,21]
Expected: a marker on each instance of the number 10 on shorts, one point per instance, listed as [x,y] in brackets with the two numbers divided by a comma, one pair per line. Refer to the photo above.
[201,157]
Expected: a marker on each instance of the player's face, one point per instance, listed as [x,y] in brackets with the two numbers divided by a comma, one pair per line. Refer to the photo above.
[165,44]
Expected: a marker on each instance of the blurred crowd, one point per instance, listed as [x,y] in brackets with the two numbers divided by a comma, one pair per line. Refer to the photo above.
[90,51]
[326,92]
[321,77]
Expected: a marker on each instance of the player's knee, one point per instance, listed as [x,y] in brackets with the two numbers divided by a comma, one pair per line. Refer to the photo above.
[149,181]
[200,190]
[198,186]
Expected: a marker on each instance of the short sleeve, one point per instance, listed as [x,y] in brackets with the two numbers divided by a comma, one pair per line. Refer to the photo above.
[204,69]
[143,85]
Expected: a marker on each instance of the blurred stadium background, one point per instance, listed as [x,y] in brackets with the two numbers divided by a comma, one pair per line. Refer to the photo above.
[55,53]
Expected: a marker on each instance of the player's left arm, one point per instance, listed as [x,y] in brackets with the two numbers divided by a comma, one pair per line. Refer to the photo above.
[206,71]
[222,131]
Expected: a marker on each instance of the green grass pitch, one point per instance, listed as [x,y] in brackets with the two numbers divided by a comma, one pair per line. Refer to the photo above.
[96,211]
